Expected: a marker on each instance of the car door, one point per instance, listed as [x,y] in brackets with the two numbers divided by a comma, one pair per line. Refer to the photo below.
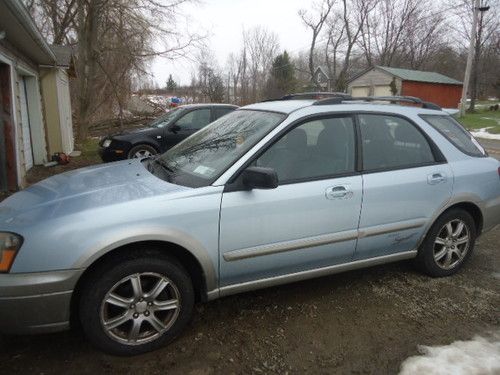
[309,221]
[187,124]
[405,181]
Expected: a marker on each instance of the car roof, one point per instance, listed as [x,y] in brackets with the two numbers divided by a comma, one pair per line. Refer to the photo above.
[289,106]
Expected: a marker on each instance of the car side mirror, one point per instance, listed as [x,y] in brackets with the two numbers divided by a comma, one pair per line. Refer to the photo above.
[259,178]
[175,128]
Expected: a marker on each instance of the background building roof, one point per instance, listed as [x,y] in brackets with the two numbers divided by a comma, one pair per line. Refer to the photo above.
[419,75]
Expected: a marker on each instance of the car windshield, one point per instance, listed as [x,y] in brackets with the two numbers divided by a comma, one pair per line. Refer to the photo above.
[164,120]
[202,158]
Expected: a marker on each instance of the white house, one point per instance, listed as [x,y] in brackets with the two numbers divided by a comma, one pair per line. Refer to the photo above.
[25,60]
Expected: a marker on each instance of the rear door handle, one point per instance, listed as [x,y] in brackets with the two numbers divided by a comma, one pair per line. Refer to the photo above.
[436,178]
[339,192]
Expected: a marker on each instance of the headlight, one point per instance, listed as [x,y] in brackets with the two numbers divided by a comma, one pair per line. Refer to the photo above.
[106,143]
[9,245]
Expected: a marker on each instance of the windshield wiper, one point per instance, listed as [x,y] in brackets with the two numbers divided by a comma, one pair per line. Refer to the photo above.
[163,165]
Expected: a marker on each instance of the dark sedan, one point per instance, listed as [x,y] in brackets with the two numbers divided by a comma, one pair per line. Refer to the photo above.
[162,133]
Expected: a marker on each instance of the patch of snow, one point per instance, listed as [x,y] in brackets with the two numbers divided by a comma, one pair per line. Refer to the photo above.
[483,133]
[478,356]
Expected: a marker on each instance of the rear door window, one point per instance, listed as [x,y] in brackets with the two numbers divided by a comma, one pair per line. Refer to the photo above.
[455,133]
[392,142]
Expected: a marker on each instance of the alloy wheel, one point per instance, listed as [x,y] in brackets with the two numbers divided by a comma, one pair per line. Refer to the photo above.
[142,154]
[140,308]
[451,244]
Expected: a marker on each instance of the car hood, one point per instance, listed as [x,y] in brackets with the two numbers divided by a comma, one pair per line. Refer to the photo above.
[83,189]
[146,129]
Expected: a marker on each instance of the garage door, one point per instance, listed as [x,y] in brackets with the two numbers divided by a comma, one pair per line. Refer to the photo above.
[384,90]
[360,91]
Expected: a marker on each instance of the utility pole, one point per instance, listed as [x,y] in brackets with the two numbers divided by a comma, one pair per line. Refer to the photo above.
[463,102]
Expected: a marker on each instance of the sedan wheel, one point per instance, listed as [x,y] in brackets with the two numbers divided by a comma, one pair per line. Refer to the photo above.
[141,152]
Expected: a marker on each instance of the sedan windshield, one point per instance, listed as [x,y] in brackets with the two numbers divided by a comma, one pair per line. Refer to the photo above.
[200,159]
[164,120]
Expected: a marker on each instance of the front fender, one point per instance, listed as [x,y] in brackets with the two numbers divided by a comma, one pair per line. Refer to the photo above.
[168,235]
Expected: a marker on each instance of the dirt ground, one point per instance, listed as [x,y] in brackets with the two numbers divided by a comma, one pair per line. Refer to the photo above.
[361,322]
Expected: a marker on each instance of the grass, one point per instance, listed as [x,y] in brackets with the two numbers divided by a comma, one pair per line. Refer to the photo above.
[89,156]
[89,150]
[482,119]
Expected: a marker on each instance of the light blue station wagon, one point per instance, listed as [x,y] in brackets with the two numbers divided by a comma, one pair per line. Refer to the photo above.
[272,193]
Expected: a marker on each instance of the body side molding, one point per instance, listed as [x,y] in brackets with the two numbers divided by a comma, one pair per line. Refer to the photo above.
[304,275]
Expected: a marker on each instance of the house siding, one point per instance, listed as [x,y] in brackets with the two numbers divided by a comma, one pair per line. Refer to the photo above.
[446,96]
[374,78]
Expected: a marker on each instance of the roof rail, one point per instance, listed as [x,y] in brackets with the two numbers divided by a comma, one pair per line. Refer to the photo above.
[333,100]
[391,99]
[316,95]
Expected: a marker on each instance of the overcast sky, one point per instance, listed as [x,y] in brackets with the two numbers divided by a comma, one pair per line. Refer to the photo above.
[224,20]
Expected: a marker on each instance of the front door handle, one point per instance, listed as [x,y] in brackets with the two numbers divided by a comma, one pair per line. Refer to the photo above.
[338,192]
[436,178]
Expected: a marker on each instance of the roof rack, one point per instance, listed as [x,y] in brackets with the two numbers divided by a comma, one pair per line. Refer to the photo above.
[317,95]
[391,99]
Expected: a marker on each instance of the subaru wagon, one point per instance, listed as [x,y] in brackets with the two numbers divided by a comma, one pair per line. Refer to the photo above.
[272,193]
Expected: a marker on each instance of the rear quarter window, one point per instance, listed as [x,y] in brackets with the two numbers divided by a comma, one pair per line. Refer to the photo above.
[452,130]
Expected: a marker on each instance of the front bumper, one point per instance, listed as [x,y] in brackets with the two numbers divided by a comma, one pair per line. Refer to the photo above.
[36,302]
[109,154]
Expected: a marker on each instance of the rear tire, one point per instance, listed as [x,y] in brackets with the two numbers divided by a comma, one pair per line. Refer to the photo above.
[136,303]
[448,244]
[141,151]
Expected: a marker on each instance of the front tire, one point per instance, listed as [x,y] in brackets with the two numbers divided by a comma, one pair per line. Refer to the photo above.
[448,244]
[141,151]
[136,304]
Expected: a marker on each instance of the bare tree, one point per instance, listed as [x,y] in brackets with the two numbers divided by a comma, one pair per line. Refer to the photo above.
[114,40]
[262,46]
[315,22]
[344,29]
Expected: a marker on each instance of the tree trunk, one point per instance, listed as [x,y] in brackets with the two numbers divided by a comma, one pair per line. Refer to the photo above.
[86,64]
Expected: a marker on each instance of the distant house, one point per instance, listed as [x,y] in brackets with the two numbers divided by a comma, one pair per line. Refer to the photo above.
[35,109]
[429,86]
[322,77]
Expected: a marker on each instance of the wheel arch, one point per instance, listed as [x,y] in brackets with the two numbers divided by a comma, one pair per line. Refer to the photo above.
[201,273]
[470,207]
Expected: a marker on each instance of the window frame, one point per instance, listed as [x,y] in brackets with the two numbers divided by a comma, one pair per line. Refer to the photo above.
[459,148]
[232,184]
[439,158]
